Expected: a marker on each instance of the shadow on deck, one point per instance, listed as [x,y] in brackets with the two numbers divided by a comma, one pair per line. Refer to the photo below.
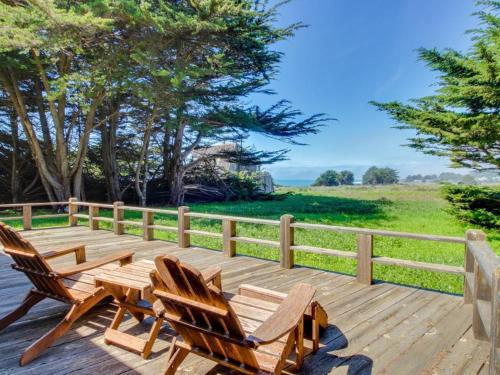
[379,329]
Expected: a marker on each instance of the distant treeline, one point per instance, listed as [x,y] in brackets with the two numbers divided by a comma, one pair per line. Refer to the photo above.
[467,179]
[373,176]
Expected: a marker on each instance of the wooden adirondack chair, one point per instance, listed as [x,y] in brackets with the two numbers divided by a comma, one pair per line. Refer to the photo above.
[73,285]
[209,326]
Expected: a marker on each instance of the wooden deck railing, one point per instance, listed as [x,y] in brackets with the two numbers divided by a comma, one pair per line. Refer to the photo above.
[26,210]
[481,270]
[482,290]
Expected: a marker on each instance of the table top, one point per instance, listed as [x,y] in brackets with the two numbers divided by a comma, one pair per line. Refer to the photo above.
[131,276]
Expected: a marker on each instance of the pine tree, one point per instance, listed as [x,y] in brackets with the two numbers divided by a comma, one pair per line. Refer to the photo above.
[461,120]
[148,82]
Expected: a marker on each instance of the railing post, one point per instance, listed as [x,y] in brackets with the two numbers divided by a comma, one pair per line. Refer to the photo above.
[147,220]
[72,210]
[480,290]
[183,224]
[286,241]
[470,235]
[495,324]
[365,254]
[228,231]
[93,212]
[481,293]
[118,215]
[27,217]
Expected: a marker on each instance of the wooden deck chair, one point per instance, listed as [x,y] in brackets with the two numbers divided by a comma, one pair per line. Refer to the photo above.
[208,325]
[73,285]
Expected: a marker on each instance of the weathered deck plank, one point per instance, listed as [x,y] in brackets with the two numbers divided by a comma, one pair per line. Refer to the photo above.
[379,329]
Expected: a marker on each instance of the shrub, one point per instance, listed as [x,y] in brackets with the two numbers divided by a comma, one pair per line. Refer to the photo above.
[380,176]
[328,178]
[334,178]
[346,178]
[475,204]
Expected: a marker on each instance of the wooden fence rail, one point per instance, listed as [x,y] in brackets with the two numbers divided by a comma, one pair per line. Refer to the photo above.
[27,216]
[481,270]
[482,290]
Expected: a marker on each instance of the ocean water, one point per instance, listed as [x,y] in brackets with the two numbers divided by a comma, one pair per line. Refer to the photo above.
[297,183]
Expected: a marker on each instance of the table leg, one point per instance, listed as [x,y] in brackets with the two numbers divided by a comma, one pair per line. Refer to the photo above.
[120,296]
[118,318]
[153,334]
[127,301]
[133,299]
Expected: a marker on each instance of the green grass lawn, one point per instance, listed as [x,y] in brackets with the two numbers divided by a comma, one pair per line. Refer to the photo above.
[418,209]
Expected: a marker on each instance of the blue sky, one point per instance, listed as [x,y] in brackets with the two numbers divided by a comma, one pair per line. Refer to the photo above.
[351,53]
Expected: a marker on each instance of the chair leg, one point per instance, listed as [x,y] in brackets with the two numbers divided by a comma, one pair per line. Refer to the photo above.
[75,312]
[299,344]
[175,357]
[315,328]
[29,301]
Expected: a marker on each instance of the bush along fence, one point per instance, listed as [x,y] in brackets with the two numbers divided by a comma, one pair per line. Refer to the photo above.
[481,270]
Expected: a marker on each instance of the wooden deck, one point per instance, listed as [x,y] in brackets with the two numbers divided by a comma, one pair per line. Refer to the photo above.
[379,329]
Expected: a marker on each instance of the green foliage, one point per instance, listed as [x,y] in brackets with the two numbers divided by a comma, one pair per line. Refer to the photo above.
[334,178]
[380,176]
[346,178]
[462,119]
[475,204]
[243,186]
[328,178]
[46,25]
[174,73]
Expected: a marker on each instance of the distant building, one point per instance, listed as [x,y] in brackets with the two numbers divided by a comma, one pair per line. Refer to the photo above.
[224,163]
[265,177]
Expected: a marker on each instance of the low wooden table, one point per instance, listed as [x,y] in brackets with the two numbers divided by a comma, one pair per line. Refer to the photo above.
[130,285]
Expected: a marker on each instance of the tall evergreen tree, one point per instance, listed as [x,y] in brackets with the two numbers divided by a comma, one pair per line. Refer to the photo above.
[199,60]
[53,69]
[462,119]
[143,84]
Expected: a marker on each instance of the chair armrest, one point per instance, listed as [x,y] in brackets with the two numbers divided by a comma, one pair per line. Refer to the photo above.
[286,318]
[263,294]
[213,275]
[79,251]
[124,257]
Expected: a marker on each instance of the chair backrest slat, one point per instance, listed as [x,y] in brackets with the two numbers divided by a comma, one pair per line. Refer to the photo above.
[29,261]
[218,335]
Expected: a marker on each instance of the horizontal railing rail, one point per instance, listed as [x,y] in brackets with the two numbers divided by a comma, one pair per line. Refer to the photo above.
[27,216]
[481,270]
[33,204]
[379,232]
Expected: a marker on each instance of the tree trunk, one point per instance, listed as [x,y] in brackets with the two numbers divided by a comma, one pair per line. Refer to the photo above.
[14,176]
[52,185]
[60,182]
[47,140]
[177,187]
[177,171]
[108,147]
[77,171]
[142,189]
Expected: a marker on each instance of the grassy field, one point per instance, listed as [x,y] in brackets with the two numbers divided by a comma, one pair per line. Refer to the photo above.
[418,209]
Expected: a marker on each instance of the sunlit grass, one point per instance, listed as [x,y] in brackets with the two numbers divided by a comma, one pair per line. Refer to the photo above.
[416,209]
